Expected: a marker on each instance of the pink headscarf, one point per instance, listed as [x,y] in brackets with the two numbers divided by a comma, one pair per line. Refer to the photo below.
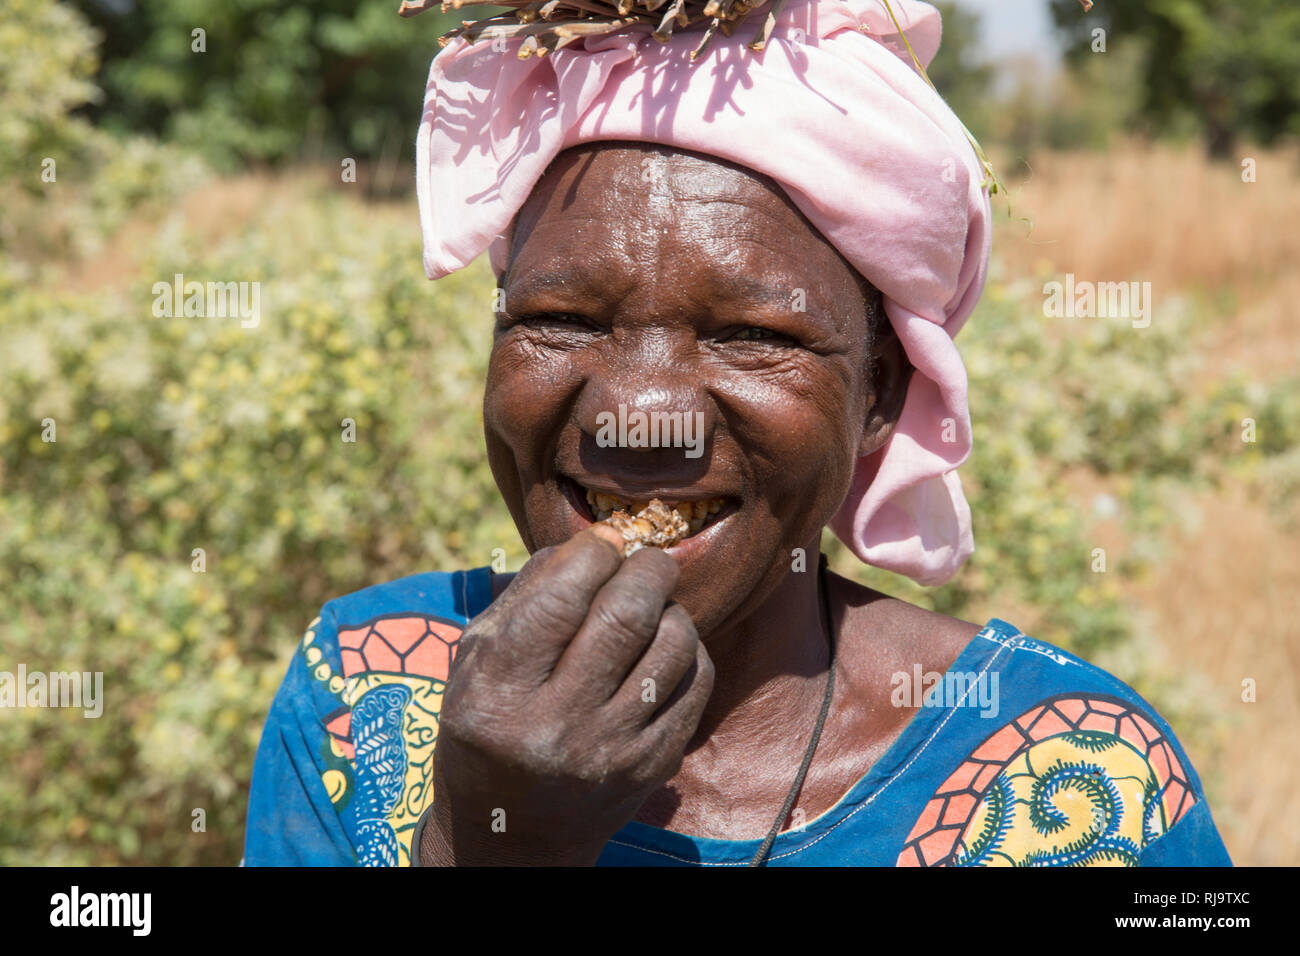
[836,113]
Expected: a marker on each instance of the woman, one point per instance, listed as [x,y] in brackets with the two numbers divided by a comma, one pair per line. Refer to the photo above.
[770,253]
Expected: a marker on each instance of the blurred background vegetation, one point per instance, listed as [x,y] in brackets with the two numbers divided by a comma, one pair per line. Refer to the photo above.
[182,433]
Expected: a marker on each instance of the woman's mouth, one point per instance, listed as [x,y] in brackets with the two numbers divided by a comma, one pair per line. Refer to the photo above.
[697,514]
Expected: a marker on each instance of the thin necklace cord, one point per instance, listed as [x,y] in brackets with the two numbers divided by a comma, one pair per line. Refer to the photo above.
[761,856]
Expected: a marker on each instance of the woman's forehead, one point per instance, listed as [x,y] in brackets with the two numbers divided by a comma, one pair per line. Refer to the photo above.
[626,198]
[651,181]
[623,159]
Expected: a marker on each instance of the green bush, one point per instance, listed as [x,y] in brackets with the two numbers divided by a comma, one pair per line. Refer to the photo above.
[180,433]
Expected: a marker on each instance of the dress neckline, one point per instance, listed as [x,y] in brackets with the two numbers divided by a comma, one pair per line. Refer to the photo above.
[977,652]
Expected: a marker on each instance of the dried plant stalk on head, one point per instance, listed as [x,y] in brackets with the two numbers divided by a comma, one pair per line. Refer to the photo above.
[549,25]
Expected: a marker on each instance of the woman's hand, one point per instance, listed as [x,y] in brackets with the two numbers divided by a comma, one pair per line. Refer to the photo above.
[571,699]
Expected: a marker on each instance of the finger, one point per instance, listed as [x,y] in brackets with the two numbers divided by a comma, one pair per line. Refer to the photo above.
[518,583]
[622,622]
[547,603]
[523,581]
[671,729]
[487,622]
[653,679]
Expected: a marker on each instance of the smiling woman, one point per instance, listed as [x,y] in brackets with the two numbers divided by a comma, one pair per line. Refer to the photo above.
[780,248]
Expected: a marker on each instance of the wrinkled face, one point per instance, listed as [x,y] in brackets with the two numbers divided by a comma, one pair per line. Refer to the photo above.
[654,287]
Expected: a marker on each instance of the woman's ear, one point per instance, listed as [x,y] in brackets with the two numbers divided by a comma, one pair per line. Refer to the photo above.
[891,371]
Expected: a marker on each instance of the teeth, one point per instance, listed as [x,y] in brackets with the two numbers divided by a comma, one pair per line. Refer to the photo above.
[695,513]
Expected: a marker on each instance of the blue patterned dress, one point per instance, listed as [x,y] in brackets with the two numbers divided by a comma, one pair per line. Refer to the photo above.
[1019,755]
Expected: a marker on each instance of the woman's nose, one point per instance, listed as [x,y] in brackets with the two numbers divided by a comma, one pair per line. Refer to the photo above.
[656,402]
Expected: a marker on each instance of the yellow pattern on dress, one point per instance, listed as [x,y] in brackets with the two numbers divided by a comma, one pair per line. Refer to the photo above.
[1083,802]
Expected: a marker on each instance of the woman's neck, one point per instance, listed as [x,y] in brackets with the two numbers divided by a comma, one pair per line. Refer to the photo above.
[770,667]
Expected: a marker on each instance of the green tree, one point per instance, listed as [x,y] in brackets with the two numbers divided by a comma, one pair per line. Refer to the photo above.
[267,80]
[1228,68]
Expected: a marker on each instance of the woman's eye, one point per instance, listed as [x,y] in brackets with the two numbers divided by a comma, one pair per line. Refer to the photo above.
[544,320]
[755,333]
[550,318]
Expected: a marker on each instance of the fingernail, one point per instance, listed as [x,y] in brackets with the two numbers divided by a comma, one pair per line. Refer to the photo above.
[608,534]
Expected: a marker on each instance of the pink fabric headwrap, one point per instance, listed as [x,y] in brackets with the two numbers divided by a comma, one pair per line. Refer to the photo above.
[835,112]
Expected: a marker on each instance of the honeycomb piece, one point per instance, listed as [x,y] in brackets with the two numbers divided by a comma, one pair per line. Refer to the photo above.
[655,526]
